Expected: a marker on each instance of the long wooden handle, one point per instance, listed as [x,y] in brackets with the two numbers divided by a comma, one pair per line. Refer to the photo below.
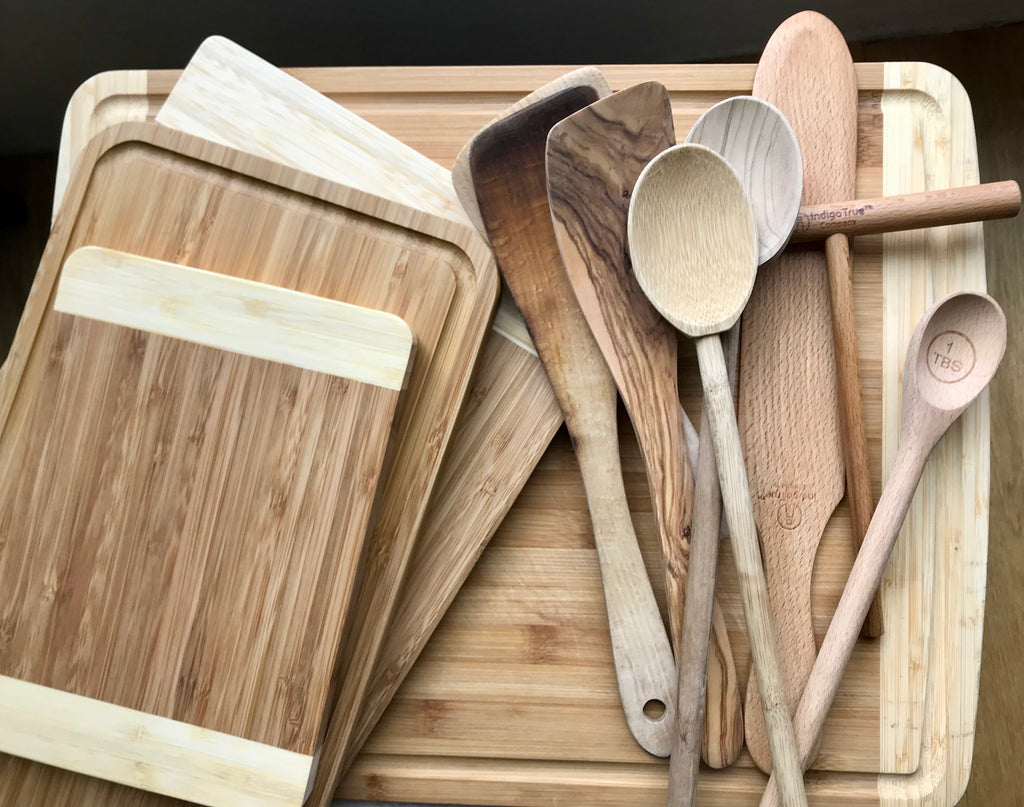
[640,646]
[851,405]
[753,591]
[692,660]
[993,200]
[860,589]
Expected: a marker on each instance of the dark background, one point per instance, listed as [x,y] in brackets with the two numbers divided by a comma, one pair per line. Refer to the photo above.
[48,48]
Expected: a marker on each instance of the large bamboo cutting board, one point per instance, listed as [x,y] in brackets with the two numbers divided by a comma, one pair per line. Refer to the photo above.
[514,700]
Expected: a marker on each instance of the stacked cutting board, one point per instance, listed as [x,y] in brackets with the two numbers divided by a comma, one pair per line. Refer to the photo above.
[514,698]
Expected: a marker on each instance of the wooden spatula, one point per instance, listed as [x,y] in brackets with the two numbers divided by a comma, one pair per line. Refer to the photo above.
[506,164]
[788,407]
[593,159]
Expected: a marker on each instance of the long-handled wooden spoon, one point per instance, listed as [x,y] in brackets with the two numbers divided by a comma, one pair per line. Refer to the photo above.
[759,144]
[952,356]
[788,400]
[694,251]
[593,160]
[506,162]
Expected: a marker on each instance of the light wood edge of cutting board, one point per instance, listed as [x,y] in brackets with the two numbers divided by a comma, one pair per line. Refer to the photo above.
[143,750]
[235,314]
[941,153]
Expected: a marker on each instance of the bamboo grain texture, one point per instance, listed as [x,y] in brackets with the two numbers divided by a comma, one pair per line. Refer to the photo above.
[524,646]
[183,472]
[231,95]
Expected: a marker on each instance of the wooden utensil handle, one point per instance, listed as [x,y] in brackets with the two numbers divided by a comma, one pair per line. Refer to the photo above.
[851,405]
[753,591]
[640,645]
[696,631]
[993,200]
[860,589]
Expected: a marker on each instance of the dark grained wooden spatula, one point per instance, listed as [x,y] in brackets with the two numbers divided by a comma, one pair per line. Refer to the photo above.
[593,160]
[506,162]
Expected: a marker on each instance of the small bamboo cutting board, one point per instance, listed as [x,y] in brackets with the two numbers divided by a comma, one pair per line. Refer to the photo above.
[514,700]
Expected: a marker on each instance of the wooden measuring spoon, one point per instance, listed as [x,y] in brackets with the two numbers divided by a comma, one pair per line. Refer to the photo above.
[506,163]
[757,141]
[952,356]
[788,401]
[694,251]
[593,160]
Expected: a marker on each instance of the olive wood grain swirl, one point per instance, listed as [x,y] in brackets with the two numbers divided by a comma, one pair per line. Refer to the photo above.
[506,162]
[593,159]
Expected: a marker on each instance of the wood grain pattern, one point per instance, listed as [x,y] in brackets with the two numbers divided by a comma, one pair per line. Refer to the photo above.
[593,159]
[789,404]
[235,314]
[232,96]
[953,354]
[524,645]
[185,473]
[760,145]
[507,167]
[147,751]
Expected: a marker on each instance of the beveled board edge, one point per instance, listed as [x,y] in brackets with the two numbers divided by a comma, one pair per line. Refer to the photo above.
[138,749]
[941,153]
[235,314]
[461,237]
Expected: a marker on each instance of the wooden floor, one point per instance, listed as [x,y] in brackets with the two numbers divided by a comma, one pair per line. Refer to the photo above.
[987,64]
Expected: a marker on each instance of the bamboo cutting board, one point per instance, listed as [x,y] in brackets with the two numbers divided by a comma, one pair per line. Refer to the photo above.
[513,701]
[175,524]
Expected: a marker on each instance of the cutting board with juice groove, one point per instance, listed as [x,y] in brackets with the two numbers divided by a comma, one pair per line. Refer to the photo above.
[513,699]
[198,567]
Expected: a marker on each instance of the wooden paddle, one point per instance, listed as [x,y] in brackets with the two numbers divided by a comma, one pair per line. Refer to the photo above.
[593,159]
[506,165]
[788,406]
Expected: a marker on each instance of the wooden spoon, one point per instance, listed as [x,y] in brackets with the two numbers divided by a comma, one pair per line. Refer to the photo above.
[694,251]
[593,160]
[952,356]
[788,400]
[506,163]
[757,141]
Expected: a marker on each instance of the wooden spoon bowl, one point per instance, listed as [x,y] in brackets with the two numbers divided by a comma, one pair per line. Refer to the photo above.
[692,239]
[758,142]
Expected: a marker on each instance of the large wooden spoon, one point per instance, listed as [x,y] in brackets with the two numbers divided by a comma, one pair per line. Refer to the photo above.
[694,251]
[757,141]
[506,162]
[788,400]
[593,160]
[952,356]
